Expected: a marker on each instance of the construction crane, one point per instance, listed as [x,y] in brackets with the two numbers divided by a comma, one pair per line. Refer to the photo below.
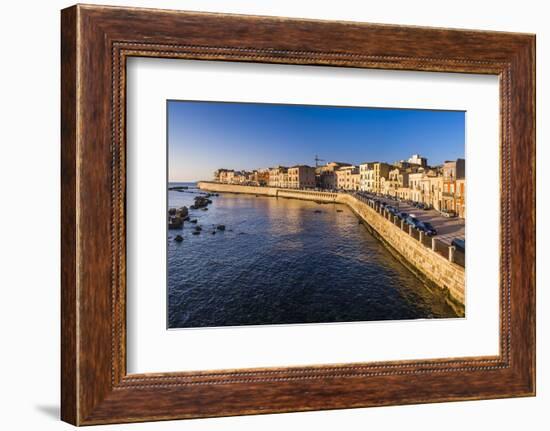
[317,160]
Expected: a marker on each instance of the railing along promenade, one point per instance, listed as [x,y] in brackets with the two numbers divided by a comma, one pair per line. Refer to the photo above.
[429,258]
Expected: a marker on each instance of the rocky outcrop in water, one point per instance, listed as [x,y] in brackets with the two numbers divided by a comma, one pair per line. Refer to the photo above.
[176,217]
[175,222]
[201,202]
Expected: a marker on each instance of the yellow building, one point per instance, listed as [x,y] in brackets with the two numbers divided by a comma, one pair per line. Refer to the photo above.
[301,176]
[371,176]
[461,197]
[397,178]
[326,175]
[453,171]
[283,179]
[223,175]
[347,178]
[276,174]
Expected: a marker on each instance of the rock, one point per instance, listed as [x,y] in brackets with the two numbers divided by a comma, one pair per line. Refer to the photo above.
[196,232]
[172,211]
[201,202]
[213,232]
[198,228]
[220,227]
[178,238]
[182,212]
[175,222]
[204,209]
[193,221]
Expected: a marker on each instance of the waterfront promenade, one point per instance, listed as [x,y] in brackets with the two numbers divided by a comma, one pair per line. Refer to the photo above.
[429,258]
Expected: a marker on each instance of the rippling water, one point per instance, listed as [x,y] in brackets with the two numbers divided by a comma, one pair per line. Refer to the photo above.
[280,262]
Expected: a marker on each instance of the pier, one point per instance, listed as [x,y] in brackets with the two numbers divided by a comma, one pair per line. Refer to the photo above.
[435,263]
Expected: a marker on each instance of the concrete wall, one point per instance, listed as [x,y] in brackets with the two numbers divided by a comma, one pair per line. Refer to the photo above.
[414,250]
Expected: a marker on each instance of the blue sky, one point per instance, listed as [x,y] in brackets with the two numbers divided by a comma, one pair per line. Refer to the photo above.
[205,136]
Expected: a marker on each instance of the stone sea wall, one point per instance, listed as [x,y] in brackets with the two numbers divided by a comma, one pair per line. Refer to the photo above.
[416,252]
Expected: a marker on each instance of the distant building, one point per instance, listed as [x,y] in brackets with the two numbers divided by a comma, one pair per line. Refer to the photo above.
[224,175]
[453,171]
[371,174]
[347,178]
[364,176]
[283,179]
[415,159]
[436,192]
[422,187]
[326,176]
[397,178]
[275,176]
[220,175]
[301,176]
[259,177]
[241,177]
[461,197]
[415,186]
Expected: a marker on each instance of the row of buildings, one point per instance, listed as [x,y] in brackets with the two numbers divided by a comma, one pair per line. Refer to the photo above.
[443,187]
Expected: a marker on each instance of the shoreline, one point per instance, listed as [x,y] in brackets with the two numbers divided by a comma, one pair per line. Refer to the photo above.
[430,267]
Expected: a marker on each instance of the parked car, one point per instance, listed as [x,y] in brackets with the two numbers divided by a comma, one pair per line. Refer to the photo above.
[448,213]
[460,244]
[427,228]
[402,215]
[392,209]
[412,220]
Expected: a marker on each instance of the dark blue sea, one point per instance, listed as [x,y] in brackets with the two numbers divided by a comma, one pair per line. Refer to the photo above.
[281,262]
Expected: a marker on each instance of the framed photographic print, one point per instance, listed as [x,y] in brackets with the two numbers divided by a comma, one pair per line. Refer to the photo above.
[268,215]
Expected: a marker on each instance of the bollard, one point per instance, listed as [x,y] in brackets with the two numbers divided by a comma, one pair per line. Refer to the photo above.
[402,224]
[421,237]
[410,230]
[452,250]
[434,244]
